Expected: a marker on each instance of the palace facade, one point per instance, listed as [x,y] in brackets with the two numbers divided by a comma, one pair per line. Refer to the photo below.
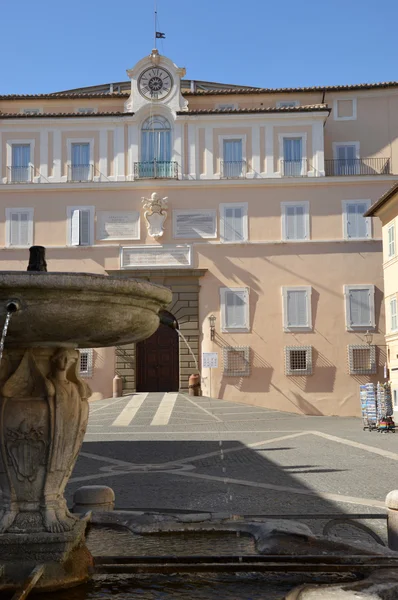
[247,202]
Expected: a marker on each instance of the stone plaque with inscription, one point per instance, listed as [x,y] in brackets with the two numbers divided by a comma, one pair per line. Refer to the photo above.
[121,225]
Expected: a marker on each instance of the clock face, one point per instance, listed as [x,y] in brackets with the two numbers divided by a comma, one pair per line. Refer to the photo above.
[155,83]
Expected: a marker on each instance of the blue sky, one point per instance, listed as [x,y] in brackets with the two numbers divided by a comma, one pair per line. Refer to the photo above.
[54,46]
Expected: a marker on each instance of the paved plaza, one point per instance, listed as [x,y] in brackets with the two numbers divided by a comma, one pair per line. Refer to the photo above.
[175,452]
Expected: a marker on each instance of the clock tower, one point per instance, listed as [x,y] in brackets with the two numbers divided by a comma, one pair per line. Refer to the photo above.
[155,80]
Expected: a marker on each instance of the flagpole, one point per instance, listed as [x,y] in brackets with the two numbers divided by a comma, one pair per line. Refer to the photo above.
[156,12]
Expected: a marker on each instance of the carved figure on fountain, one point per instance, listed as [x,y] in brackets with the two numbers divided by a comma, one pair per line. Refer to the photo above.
[43,418]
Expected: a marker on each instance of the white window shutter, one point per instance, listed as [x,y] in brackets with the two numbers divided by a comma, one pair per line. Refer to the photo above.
[23,229]
[360,308]
[15,231]
[232,224]
[85,227]
[290,222]
[75,227]
[297,308]
[300,223]
[235,309]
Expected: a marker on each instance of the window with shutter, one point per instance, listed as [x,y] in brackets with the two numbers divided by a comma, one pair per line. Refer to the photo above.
[393,314]
[81,225]
[86,362]
[234,309]
[360,306]
[19,227]
[233,222]
[295,221]
[391,240]
[356,226]
[297,308]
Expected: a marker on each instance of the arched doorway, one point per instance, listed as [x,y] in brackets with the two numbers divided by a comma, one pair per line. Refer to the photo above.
[157,362]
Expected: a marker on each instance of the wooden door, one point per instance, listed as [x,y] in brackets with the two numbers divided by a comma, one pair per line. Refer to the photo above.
[157,362]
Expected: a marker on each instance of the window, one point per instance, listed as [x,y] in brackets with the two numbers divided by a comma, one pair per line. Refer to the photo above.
[298,360]
[359,303]
[233,222]
[347,161]
[356,226]
[393,314]
[287,103]
[86,362]
[21,168]
[80,225]
[81,169]
[236,361]
[32,111]
[234,309]
[292,163]
[362,360]
[345,109]
[391,240]
[297,308]
[194,224]
[19,227]
[86,111]
[295,221]
[232,164]
[226,106]
[156,149]
[395,398]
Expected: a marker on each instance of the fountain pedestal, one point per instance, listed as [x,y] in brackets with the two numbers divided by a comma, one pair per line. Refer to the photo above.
[44,409]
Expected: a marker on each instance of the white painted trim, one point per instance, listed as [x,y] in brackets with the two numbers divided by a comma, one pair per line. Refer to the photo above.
[43,155]
[177,212]
[192,169]
[354,109]
[10,144]
[69,210]
[306,205]
[345,203]
[347,289]
[103,156]
[119,154]
[209,151]
[245,227]
[224,328]
[269,151]
[318,150]
[9,212]
[57,155]
[391,225]
[297,288]
[303,136]
[255,166]
[336,145]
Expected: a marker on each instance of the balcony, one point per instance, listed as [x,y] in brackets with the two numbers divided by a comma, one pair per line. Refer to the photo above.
[357,166]
[294,168]
[156,169]
[235,169]
[20,174]
[80,173]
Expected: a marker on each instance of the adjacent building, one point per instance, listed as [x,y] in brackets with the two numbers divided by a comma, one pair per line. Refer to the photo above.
[386,208]
[247,202]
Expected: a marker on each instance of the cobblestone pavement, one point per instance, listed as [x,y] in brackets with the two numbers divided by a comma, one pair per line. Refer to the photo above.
[170,451]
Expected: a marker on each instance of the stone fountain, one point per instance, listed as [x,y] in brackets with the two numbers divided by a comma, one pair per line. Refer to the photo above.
[44,407]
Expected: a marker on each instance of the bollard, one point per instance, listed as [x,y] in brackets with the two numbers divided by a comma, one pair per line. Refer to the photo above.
[194,385]
[117,388]
[97,498]
[392,519]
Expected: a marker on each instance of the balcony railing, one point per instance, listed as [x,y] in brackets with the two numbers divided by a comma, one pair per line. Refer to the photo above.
[294,168]
[156,169]
[357,166]
[79,173]
[20,174]
[233,169]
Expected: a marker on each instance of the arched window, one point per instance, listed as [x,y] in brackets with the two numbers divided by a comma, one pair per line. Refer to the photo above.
[156,140]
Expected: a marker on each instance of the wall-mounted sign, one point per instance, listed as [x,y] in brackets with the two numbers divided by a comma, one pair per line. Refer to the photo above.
[121,225]
[209,360]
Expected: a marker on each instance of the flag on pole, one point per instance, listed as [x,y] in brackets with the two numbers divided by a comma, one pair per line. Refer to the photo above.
[160,35]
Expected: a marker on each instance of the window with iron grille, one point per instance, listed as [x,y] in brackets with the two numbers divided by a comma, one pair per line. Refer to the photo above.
[298,360]
[237,361]
[86,362]
[362,360]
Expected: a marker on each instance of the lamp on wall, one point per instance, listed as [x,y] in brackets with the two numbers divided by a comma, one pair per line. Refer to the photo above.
[212,321]
[369,337]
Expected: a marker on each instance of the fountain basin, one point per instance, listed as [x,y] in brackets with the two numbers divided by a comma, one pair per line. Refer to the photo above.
[79,310]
